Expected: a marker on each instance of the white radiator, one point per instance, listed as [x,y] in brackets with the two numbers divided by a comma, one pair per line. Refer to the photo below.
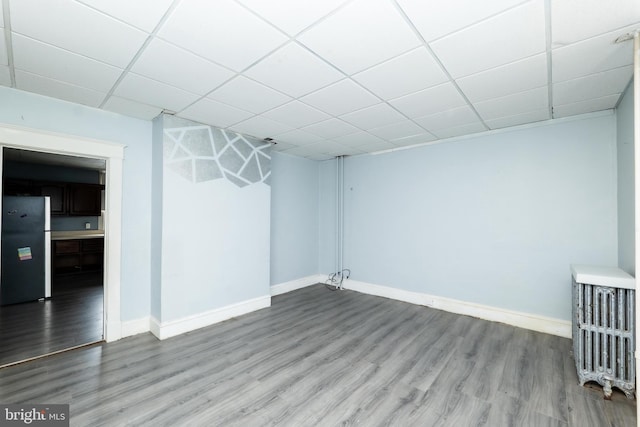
[604,327]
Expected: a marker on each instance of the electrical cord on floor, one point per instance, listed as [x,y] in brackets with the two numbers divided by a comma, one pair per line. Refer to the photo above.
[334,281]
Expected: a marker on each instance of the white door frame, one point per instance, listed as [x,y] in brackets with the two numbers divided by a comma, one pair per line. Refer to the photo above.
[113,154]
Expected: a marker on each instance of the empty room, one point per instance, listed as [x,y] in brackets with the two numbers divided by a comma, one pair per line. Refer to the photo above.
[338,212]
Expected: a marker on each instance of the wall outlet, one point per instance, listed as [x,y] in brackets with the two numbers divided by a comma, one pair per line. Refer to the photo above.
[87,226]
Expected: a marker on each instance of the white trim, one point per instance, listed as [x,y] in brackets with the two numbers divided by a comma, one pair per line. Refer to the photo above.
[136,326]
[534,322]
[72,145]
[164,330]
[292,285]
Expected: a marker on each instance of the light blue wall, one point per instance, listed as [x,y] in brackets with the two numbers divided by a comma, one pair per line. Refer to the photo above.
[327,221]
[495,219]
[40,112]
[294,217]
[216,218]
[626,187]
[156,219]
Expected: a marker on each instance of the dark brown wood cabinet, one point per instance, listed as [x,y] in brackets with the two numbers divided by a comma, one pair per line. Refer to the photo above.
[67,199]
[57,193]
[77,255]
[84,199]
[19,187]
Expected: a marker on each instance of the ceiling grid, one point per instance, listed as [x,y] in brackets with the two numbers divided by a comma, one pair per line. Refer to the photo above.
[326,78]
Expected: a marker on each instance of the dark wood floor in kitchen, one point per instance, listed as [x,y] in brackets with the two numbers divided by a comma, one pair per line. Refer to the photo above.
[73,316]
[324,358]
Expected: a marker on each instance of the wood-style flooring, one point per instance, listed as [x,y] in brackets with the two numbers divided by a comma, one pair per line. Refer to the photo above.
[73,316]
[324,358]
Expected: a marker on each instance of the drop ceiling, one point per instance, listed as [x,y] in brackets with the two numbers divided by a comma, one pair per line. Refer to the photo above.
[326,77]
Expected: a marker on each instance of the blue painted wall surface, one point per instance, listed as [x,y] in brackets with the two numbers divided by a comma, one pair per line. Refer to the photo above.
[494,220]
[39,112]
[215,219]
[156,219]
[294,217]
[626,187]
[327,225]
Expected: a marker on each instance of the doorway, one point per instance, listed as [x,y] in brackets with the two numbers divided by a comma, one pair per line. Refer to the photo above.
[112,154]
[64,306]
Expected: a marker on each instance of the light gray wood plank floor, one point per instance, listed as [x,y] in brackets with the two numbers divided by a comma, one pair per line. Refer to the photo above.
[324,358]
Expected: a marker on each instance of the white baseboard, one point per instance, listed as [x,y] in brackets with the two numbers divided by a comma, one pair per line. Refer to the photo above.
[136,326]
[533,322]
[283,288]
[164,330]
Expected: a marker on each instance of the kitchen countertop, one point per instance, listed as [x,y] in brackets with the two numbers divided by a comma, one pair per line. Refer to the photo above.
[79,234]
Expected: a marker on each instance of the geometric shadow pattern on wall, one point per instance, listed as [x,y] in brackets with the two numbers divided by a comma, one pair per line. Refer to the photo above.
[201,153]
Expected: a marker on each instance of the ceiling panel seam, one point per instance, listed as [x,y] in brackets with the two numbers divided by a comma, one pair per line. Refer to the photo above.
[139,53]
[440,64]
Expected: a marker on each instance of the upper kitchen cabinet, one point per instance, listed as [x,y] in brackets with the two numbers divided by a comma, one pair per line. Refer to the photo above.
[84,199]
[19,187]
[66,198]
[57,193]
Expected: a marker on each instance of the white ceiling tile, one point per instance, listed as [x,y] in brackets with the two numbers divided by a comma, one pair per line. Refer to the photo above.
[249,95]
[296,114]
[373,147]
[283,146]
[131,108]
[170,64]
[588,106]
[398,130]
[214,113]
[144,14]
[334,148]
[329,148]
[518,119]
[297,137]
[573,20]
[434,19]
[460,130]
[292,16]
[312,151]
[522,102]
[49,61]
[56,89]
[593,86]
[528,73]
[78,28]
[342,97]
[448,119]
[222,31]
[407,73]
[375,116]
[512,35]
[359,139]
[591,56]
[331,128]
[151,92]
[5,76]
[413,140]
[260,127]
[294,71]
[348,151]
[4,60]
[429,101]
[361,34]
